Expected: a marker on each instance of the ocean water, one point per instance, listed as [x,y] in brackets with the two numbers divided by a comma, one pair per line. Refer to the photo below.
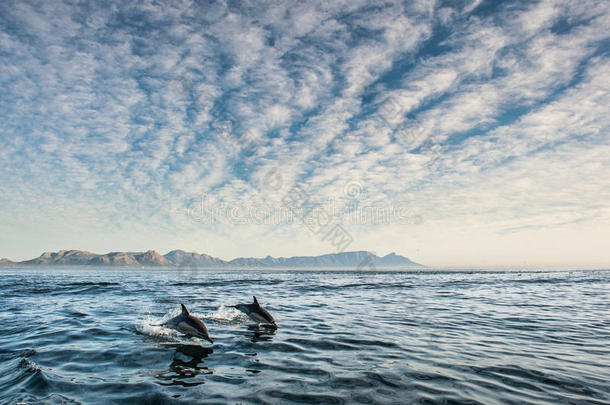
[520,337]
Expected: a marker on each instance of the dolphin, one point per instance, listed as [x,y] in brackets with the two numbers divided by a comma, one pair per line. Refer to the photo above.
[188,324]
[256,312]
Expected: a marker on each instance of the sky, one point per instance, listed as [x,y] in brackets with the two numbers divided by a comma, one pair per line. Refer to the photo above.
[456,133]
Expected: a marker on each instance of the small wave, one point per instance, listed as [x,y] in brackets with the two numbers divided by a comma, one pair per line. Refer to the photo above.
[9,355]
[322,344]
[363,286]
[36,384]
[49,399]
[29,366]
[222,283]
[92,283]
[310,398]
[67,288]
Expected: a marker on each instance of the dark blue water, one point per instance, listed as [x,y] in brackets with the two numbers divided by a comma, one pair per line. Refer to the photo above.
[88,336]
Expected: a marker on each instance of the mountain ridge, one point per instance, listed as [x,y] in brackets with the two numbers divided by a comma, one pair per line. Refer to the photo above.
[180,259]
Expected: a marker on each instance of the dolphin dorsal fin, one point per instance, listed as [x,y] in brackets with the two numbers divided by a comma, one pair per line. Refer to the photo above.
[184,310]
[255,300]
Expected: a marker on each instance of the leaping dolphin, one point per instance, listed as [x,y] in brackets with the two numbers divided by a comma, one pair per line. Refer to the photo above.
[256,312]
[188,324]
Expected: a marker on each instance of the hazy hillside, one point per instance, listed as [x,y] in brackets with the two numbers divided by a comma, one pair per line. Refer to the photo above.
[180,258]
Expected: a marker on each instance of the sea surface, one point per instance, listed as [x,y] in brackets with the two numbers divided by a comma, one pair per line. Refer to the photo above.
[354,337]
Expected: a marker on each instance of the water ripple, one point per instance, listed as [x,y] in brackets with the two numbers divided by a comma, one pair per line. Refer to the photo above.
[425,337]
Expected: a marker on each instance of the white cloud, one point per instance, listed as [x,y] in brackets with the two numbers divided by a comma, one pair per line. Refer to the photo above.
[115,113]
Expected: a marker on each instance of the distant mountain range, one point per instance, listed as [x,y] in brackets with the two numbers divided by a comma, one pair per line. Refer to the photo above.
[180,258]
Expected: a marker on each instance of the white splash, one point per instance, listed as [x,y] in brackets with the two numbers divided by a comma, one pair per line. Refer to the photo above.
[225,315]
[152,326]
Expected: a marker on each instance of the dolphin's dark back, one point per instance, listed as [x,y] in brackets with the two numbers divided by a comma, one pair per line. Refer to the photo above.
[262,311]
[197,324]
[256,312]
[266,314]
[193,323]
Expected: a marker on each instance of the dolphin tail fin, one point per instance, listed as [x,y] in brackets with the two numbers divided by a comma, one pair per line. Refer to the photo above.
[184,310]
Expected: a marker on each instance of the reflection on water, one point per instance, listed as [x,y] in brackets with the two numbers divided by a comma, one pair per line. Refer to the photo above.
[90,336]
[260,333]
[186,364]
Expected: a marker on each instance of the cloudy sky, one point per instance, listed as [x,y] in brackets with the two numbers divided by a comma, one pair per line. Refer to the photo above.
[457,133]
